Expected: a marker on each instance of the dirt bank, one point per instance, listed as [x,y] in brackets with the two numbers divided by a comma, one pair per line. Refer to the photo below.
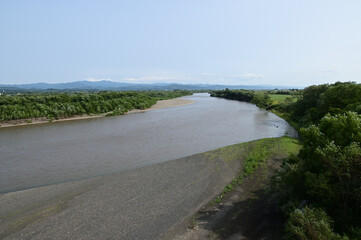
[247,212]
[176,102]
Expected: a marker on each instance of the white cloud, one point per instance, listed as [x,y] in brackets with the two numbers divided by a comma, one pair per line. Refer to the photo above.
[232,79]
[206,78]
[251,75]
[151,79]
[239,76]
[97,79]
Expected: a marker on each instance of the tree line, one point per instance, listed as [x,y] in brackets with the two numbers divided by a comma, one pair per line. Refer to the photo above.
[318,100]
[319,190]
[62,105]
[260,98]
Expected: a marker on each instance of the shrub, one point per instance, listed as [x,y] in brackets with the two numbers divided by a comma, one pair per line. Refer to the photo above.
[310,224]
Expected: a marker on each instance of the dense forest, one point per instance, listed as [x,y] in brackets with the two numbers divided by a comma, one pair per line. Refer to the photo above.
[63,105]
[318,100]
[319,190]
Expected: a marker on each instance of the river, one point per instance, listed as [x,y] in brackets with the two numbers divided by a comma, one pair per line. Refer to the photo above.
[38,155]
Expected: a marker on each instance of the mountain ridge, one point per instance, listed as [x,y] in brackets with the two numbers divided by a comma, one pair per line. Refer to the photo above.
[123,86]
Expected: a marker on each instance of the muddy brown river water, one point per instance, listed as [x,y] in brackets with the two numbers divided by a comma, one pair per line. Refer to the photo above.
[38,155]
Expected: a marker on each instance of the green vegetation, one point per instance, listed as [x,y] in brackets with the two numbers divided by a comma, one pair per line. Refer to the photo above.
[310,224]
[62,105]
[319,190]
[327,172]
[260,98]
[254,160]
[318,100]
[326,176]
[254,155]
[282,98]
[263,99]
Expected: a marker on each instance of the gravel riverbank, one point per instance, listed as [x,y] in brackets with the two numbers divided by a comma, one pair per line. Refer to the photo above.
[144,203]
[168,200]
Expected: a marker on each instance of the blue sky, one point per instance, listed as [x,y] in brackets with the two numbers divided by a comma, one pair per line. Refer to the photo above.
[288,42]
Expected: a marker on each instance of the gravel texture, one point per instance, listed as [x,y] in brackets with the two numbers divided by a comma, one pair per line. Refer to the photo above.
[145,203]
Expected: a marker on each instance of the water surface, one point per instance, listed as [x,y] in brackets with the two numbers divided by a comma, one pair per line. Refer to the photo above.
[37,155]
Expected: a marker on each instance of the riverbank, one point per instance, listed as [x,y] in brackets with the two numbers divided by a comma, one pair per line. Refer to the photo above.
[176,102]
[244,209]
[144,203]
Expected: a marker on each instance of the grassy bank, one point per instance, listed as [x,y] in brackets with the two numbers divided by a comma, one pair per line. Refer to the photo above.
[254,155]
[238,210]
[282,98]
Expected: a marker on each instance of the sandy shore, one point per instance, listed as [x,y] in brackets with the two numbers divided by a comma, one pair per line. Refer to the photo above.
[176,102]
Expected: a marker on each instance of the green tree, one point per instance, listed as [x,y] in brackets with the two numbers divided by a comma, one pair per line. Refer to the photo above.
[310,224]
[332,165]
[261,99]
[327,172]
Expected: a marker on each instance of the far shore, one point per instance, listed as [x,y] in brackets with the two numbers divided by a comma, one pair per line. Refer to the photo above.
[176,102]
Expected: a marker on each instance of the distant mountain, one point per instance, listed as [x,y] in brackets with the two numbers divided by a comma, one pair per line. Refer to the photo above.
[109,85]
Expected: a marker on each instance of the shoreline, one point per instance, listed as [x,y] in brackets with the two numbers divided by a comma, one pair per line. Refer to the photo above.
[154,198]
[161,104]
[163,200]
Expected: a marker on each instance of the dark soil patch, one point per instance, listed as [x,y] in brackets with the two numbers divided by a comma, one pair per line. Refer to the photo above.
[247,212]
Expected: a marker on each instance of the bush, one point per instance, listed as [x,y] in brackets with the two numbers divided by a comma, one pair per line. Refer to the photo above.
[310,224]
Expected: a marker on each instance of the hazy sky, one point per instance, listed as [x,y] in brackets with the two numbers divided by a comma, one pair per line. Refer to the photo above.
[286,42]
